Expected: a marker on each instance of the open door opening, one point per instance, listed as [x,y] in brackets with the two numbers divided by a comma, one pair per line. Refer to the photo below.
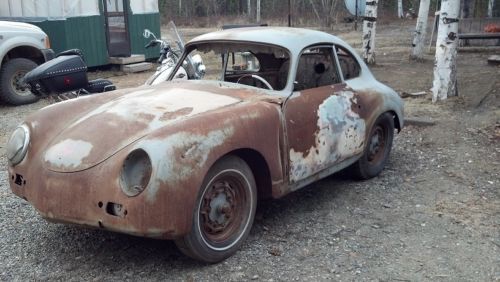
[117,35]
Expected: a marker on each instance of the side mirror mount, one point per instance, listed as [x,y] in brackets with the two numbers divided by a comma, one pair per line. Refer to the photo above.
[147,34]
[297,86]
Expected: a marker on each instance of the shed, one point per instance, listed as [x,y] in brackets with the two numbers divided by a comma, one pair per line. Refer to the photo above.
[100,28]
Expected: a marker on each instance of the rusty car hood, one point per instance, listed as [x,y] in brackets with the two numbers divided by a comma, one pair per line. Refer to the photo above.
[100,131]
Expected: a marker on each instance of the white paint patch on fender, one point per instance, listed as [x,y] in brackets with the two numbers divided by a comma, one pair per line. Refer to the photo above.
[68,153]
[176,157]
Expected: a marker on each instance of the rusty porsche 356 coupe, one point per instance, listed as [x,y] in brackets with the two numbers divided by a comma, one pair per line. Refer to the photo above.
[277,109]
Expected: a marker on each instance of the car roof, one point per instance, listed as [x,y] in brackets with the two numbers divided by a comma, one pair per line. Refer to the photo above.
[294,39]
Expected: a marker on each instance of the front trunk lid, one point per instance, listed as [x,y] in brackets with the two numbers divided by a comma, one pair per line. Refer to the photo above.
[97,134]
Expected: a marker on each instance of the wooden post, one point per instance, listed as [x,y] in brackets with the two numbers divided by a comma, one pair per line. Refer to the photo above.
[257,11]
[289,13]
[445,68]
[369,28]
[417,52]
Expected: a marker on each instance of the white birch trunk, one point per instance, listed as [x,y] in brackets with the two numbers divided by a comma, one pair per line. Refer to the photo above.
[369,28]
[258,11]
[417,52]
[445,68]
[249,8]
[490,8]
[400,9]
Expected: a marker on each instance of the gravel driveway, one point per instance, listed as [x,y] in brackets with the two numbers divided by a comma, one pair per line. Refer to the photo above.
[433,214]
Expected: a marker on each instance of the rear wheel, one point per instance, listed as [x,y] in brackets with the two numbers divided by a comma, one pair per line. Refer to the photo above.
[12,91]
[377,150]
[224,212]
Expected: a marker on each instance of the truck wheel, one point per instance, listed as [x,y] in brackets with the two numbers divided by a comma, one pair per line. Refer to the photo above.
[224,212]
[377,150]
[12,92]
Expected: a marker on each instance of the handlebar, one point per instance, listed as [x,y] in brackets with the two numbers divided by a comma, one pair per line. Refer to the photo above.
[151,43]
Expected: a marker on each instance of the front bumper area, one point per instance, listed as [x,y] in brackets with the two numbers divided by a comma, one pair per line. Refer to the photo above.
[91,198]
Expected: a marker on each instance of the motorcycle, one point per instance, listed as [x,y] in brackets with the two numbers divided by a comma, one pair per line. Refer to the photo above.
[171,49]
[65,77]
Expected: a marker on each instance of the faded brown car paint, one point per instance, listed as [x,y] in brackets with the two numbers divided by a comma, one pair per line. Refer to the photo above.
[288,139]
[81,197]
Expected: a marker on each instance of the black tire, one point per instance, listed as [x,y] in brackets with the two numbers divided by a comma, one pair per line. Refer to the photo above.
[224,212]
[377,150]
[11,91]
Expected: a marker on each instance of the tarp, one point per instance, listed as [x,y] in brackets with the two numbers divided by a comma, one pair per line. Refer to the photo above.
[60,9]
[144,6]
[351,7]
[51,9]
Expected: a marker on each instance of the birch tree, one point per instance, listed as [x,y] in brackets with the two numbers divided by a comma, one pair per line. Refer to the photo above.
[417,52]
[249,8]
[400,9]
[490,8]
[445,69]
[369,27]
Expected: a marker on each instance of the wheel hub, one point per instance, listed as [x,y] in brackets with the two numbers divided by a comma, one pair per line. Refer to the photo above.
[17,86]
[376,145]
[218,208]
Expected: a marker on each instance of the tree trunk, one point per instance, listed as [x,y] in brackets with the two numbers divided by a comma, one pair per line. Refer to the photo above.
[249,8]
[369,27]
[467,9]
[417,52]
[490,9]
[258,11]
[400,9]
[445,69]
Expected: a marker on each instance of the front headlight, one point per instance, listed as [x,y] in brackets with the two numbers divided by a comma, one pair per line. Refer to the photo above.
[18,144]
[136,172]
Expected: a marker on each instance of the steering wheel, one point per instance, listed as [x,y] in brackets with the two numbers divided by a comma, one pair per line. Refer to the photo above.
[254,76]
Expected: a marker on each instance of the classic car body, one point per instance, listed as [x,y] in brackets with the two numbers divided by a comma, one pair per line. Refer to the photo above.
[136,160]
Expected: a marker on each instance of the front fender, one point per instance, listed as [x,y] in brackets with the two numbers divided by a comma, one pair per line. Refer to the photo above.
[182,154]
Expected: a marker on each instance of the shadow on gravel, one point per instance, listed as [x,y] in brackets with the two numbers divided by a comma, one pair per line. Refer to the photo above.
[104,251]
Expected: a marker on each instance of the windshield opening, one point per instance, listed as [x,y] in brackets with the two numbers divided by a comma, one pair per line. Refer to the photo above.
[256,65]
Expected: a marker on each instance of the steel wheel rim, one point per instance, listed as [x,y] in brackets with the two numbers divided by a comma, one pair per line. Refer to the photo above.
[16,86]
[224,211]
[376,147]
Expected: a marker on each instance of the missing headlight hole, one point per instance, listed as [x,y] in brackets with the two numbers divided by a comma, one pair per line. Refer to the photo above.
[115,209]
[19,180]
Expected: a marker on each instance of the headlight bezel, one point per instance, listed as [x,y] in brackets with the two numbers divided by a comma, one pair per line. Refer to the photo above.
[135,173]
[16,154]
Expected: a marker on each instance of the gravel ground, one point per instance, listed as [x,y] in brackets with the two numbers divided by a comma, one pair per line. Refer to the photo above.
[433,213]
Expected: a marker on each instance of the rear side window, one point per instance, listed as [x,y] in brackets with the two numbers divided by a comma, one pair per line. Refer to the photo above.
[348,64]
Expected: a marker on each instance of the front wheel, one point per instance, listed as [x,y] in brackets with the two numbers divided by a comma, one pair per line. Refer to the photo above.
[224,212]
[12,91]
[377,150]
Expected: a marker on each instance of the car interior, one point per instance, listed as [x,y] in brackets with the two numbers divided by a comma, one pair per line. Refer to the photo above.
[268,67]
